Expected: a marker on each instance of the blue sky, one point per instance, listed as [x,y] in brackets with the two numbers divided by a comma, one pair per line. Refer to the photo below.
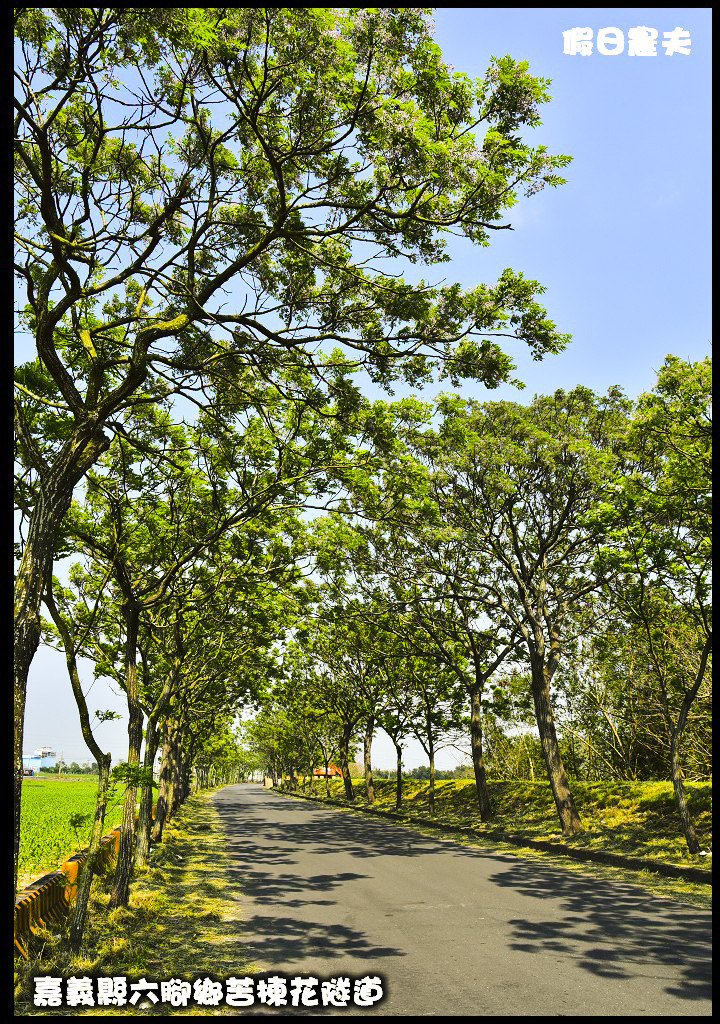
[623,249]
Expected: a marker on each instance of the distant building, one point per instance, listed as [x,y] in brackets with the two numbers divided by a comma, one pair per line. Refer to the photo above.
[43,757]
[332,772]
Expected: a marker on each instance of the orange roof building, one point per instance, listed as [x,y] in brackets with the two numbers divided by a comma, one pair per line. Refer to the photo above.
[332,772]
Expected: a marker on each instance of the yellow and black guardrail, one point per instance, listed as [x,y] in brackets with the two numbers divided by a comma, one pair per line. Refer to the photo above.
[47,900]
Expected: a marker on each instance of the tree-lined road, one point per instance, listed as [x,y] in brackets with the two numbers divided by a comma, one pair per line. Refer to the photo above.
[452,930]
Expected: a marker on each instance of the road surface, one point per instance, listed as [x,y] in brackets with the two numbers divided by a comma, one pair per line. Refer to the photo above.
[451,930]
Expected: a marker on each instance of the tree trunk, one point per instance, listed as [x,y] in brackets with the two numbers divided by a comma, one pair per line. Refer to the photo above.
[686,821]
[430,752]
[326,762]
[567,811]
[344,756]
[146,795]
[528,751]
[161,810]
[476,742]
[367,746]
[79,912]
[34,574]
[27,638]
[398,776]
[183,791]
[123,870]
[176,771]
[431,758]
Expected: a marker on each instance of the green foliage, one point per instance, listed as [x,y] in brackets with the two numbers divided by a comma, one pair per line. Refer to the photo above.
[224,165]
[658,553]
[131,775]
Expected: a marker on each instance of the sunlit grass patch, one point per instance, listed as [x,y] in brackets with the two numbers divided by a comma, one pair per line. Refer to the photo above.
[636,819]
[179,924]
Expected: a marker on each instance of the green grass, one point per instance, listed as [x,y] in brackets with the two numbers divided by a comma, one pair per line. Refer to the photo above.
[180,924]
[56,821]
[638,819]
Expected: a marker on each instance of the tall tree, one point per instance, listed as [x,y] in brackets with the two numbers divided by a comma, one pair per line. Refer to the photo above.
[515,485]
[662,555]
[169,157]
[413,573]
[346,667]
[71,630]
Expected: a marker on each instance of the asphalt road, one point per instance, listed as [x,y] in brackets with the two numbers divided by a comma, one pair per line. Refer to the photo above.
[451,930]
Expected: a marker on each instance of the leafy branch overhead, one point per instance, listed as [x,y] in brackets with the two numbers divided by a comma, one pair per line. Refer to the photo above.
[168,161]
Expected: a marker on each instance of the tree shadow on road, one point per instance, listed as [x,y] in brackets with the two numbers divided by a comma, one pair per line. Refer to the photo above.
[614,930]
[611,929]
[285,940]
[261,858]
[250,836]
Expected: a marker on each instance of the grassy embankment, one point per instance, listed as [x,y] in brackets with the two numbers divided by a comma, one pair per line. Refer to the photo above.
[634,818]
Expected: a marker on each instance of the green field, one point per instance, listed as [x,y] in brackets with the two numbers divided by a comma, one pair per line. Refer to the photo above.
[56,821]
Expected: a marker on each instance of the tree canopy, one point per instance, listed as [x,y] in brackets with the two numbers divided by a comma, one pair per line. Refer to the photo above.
[224,223]
[210,206]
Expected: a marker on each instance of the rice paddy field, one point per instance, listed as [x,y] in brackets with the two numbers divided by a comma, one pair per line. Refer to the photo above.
[56,821]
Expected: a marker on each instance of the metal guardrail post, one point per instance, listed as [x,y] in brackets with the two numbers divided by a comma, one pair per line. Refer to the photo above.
[41,903]
[47,900]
